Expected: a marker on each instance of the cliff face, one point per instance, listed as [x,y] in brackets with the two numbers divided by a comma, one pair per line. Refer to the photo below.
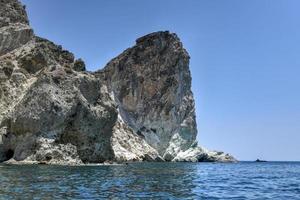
[151,83]
[139,107]
[14,26]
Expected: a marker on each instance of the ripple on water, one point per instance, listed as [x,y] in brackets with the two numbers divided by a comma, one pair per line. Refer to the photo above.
[245,180]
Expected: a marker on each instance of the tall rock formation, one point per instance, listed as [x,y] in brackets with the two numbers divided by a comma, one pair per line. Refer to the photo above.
[137,108]
[151,83]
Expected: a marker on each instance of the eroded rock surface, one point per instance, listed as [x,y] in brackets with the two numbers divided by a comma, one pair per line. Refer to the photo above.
[14,26]
[139,107]
[152,84]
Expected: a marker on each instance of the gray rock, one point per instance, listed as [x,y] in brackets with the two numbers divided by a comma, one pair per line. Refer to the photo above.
[151,83]
[12,12]
[200,154]
[14,26]
[140,107]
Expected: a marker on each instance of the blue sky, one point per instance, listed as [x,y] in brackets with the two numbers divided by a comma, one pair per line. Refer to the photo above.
[245,60]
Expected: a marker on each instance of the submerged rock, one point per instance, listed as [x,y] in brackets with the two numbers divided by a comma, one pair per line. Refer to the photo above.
[140,107]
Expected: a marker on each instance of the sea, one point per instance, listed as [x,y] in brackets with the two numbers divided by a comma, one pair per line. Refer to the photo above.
[242,180]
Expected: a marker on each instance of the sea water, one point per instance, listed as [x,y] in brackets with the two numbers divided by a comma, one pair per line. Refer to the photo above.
[243,180]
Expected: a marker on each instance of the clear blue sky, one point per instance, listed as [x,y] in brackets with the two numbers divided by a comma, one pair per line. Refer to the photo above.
[245,60]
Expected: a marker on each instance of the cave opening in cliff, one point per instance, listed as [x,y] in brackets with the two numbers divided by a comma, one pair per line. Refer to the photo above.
[9,154]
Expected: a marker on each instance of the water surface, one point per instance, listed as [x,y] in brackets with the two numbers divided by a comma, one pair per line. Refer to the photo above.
[244,180]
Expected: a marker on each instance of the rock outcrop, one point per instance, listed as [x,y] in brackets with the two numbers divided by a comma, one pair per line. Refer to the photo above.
[14,26]
[139,107]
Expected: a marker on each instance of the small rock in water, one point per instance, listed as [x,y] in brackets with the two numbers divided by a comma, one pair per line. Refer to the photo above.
[258,160]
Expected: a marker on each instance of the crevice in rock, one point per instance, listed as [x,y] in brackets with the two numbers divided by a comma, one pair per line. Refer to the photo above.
[9,154]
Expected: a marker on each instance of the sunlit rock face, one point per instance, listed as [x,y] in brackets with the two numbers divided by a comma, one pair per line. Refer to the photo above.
[138,108]
[14,26]
[151,83]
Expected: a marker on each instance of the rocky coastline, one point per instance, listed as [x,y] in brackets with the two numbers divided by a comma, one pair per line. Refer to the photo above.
[139,107]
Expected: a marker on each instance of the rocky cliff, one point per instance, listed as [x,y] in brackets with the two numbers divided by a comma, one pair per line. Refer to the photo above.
[139,107]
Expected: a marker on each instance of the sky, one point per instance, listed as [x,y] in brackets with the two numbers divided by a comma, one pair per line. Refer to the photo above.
[245,60]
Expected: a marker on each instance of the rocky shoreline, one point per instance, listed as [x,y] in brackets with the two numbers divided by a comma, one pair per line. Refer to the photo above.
[139,107]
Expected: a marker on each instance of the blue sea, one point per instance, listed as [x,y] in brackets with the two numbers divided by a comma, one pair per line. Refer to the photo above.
[243,180]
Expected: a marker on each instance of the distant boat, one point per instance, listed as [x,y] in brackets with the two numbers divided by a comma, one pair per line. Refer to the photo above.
[258,160]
